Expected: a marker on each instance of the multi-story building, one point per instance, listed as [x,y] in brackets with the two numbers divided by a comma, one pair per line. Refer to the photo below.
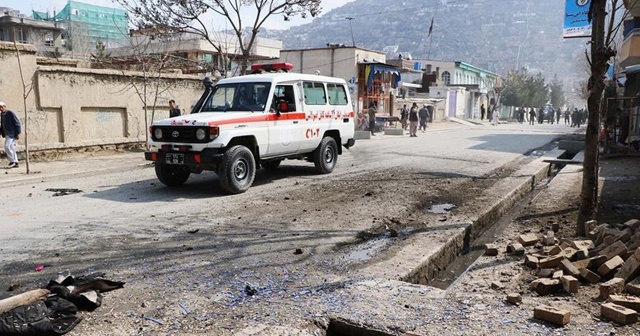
[464,87]
[86,24]
[45,36]
[624,119]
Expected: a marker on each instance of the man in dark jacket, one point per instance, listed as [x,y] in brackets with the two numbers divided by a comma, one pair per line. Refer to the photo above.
[10,130]
[174,111]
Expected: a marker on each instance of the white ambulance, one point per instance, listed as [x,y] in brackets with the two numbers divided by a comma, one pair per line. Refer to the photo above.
[245,122]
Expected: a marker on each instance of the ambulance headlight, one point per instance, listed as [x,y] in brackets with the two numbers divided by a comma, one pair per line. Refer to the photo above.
[158,133]
[201,134]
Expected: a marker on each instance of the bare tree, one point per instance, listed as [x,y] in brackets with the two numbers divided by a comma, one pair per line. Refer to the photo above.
[153,60]
[186,16]
[602,38]
[26,90]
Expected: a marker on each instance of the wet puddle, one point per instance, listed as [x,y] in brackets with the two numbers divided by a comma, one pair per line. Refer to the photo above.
[441,208]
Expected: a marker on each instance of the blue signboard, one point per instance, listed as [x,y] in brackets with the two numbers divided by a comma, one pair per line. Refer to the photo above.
[576,21]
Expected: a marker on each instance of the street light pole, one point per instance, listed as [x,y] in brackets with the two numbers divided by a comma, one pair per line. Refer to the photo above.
[353,40]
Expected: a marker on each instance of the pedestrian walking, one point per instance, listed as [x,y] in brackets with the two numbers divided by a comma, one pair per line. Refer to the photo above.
[372,117]
[423,115]
[558,114]
[174,111]
[10,130]
[483,110]
[567,116]
[532,116]
[404,116]
[494,120]
[413,120]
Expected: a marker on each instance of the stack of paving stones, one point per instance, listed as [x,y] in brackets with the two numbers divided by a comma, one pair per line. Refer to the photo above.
[609,258]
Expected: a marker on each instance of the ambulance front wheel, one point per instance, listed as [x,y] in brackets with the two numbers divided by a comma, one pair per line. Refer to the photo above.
[237,170]
[325,156]
[171,175]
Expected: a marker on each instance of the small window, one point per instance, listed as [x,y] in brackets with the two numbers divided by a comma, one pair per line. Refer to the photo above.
[337,94]
[314,93]
[284,93]
[75,11]
[446,78]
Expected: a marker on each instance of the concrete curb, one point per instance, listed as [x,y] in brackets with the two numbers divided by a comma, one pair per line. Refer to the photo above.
[420,265]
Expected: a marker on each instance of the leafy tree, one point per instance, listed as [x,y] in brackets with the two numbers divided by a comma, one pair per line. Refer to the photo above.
[524,89]
[557,98]
[186,16]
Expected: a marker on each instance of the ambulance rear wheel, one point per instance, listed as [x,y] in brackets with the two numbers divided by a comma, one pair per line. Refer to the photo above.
[325,156]
[237,170]
[171,175]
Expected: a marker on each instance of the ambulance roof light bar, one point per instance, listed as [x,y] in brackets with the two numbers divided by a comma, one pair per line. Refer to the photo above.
[271,67]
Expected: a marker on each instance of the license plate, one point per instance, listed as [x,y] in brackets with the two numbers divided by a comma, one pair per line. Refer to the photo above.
[176,159]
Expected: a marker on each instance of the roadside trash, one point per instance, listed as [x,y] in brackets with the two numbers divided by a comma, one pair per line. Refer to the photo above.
[193,231]
[13,287]
[39,268]
[250,290]
[52,310]
[63,191]
[298,251]
[441,208]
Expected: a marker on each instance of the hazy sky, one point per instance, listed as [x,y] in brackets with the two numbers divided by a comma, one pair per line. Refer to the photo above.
[25,6]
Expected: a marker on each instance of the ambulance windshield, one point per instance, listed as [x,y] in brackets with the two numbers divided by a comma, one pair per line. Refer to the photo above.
[238,97]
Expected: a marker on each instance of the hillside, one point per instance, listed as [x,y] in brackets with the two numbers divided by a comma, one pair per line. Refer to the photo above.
[497,35]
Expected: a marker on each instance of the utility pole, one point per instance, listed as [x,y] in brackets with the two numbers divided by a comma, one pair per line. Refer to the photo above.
[353,40]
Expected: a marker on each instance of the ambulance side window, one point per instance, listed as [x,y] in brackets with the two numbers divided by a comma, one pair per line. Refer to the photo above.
[337,94]
[284,94]
[314,93]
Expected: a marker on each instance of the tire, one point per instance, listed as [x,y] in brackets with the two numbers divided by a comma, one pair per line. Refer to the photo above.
[171,175]
[270,164]
[325,156]
[237,170]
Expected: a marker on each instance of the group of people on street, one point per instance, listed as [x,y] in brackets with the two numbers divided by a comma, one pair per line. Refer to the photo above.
[551,115]
[10,130]
[415,118]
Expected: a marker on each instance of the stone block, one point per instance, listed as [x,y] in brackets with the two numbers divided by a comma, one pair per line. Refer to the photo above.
[615,249]
[568,252]
[589,276]
[633,287]
[580,264]
[362,135]
[633,224]
[557,274]
[552,315]
[626,301]
[590,225]
[610,266]
[629,270]
[497,285]
[569,284]
[546,286]
[613,286]
[597,261]
[490,250]
[583,244]
[618,313]
[580,255]
[567,267]
[634,242]
[545,272]
[593,234]
[515,249]
[528,239]
[636,253]
[551,250]
[551,262]
[549,239]
[531,261]
[514,298]
[393,131]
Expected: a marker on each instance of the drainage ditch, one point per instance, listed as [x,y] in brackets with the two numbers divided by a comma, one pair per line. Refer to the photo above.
[461,251]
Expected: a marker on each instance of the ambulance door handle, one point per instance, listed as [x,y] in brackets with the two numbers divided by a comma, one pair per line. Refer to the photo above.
[295,121]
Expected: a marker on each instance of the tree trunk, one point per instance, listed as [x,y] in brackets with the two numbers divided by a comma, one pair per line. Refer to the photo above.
[600,54]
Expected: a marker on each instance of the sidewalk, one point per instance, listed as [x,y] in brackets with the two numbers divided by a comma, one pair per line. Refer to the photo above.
[76,165]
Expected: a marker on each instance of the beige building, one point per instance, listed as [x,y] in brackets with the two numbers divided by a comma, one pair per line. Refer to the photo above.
[45,36]
[70,107]
[198,54]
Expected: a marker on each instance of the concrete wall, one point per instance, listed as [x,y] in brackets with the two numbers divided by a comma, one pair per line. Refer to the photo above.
[75,107]
[341,62]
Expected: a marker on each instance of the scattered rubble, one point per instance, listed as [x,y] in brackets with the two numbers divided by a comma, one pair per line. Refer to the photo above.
[610,258]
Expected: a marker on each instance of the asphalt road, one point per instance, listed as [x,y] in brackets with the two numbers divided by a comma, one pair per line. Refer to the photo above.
[127,224]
